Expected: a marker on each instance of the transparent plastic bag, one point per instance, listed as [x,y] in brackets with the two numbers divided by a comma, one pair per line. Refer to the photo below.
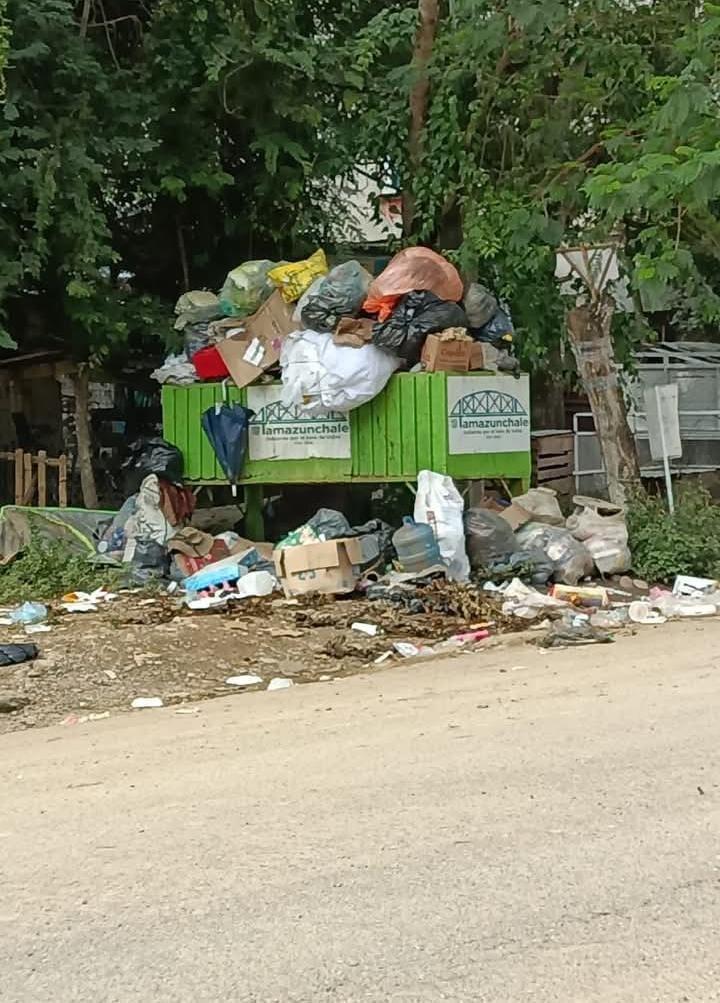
[246,288]
[571,560]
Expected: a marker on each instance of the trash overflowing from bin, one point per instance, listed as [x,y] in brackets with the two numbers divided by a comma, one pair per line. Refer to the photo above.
[335,334]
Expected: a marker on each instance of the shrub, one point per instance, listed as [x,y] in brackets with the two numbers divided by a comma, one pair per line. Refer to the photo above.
[46,570]
[685,543]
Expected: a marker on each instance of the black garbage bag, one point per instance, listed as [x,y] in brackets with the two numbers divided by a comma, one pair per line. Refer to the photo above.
[152,456]
[417,315]
[480,305]
[333,525]
[488,538]
[497,328]
[14,654]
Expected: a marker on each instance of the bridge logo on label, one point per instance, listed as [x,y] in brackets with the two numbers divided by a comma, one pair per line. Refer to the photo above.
[281,431]
[488,420]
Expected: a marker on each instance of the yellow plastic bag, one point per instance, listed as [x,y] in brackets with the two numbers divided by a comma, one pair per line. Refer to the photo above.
[292,280]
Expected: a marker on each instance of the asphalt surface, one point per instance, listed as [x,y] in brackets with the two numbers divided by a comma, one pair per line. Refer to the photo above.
[512,825]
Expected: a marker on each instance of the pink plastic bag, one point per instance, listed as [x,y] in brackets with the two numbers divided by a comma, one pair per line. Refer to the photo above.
[418,268]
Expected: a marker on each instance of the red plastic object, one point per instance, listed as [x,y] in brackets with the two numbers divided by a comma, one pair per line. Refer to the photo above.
[383,306]
[209,364]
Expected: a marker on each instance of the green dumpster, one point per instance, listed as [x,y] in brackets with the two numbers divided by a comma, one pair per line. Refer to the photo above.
[471,426]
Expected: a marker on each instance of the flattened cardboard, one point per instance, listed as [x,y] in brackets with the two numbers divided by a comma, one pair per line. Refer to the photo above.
[515,515]
[270,325]
[331,567]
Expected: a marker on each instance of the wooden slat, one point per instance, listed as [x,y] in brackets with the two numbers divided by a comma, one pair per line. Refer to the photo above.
[62,481]
[554,463]
[28,480]
[19,484]
[42,478]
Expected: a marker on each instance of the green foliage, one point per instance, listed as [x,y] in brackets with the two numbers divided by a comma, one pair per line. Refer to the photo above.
[157,143]
[685,543]
[47,570]
[662,182]
[4,43]
[554,121]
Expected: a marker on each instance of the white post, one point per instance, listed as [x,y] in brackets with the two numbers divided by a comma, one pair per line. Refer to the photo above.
[666,461]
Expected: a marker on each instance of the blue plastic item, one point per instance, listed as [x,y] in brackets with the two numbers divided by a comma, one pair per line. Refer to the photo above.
[228,569]
[29,612]
[416,546]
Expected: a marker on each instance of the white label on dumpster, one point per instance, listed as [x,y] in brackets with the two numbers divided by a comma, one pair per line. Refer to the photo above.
[488,414]
[278,432]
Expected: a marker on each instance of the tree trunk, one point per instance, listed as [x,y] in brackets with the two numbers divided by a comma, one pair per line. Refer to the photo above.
[589,332]
[428,17]
[84,437]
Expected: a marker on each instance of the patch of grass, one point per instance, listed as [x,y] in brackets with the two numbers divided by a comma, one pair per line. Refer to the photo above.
[686,543]
[46,570]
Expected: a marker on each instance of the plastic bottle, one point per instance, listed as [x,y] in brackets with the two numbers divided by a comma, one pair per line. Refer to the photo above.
[416,546]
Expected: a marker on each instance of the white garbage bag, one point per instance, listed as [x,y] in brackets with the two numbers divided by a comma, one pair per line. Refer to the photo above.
[176,369]
[543,506]
[320,376]
[602,528]
[439,504]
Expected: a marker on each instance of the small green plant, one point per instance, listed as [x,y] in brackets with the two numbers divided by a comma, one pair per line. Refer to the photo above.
[686,543]
[48,569]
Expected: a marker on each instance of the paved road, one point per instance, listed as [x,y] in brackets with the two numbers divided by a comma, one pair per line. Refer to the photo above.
[509,826]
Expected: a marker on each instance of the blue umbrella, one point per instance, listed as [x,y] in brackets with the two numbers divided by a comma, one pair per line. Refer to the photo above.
[226,426]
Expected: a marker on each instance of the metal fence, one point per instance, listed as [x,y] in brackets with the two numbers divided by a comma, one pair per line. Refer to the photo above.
[695,368]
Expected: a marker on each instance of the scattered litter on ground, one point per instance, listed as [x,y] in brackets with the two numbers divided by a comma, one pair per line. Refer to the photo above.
[371,629]
[30,614]
[279,683]
[146,703]
[243,680]
[565,633]
[15,654]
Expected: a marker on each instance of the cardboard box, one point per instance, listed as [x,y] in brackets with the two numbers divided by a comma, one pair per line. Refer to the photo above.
[332,567]
[452,356]
[257,347]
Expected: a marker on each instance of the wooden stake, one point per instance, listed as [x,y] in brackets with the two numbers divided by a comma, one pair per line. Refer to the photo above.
[28,485]
[84,437]
[42,478]
[62,481]
[19,487]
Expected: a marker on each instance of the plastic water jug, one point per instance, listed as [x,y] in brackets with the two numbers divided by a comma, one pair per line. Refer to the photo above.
[416,546]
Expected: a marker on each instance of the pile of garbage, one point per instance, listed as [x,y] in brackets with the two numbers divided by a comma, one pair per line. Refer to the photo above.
[336,335]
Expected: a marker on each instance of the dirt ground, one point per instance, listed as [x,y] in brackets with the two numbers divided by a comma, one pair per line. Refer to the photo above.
[93,665]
